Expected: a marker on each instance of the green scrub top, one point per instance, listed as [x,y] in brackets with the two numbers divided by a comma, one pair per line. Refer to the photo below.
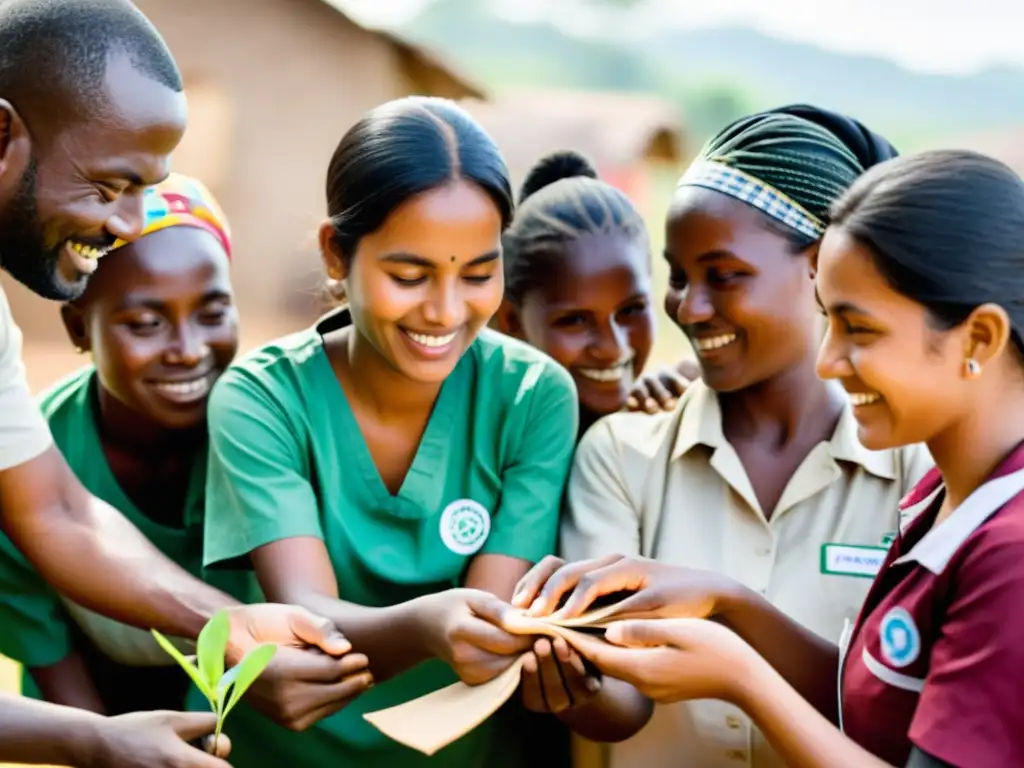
[35,627]
[287,459]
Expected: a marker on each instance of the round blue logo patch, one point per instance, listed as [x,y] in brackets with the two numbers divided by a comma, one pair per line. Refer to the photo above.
[901,642]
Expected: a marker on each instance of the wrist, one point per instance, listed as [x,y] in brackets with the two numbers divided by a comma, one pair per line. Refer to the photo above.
[732,601]
[753,679]
[418,618]
[83,742]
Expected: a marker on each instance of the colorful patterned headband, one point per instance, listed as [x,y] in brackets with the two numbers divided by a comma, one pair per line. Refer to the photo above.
[183,201]
[753,191]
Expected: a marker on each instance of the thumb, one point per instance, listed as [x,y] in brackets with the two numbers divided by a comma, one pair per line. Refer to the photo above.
[489,608]
[191,726]
[222,747]
[640,633]
[319,632]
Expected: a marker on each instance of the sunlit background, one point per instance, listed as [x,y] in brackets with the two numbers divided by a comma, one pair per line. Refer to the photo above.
[637,85]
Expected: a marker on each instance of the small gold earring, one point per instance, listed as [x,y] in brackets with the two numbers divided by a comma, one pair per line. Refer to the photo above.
[80,350]
[973,368]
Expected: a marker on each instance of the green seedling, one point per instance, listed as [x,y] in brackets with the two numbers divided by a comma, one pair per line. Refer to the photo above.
[222,689]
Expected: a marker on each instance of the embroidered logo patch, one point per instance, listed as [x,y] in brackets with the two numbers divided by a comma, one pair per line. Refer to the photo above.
[465,525]
[900,640]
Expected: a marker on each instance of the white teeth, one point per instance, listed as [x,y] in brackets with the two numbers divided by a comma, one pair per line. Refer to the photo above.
[615,373]
[431,341]
[193,388]
[864,398]
[715,342]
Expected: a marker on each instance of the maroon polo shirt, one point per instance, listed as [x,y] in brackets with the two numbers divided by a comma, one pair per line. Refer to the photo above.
[936,658]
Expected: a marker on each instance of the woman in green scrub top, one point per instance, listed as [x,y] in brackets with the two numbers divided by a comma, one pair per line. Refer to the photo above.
[158,320]
[398,465]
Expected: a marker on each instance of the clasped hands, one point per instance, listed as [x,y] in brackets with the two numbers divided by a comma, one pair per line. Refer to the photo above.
[658,640]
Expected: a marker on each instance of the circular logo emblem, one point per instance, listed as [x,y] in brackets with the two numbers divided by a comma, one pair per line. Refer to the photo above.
[901,642]
[465,525]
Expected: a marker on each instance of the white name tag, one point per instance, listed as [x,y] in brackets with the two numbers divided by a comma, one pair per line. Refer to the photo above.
[852,560]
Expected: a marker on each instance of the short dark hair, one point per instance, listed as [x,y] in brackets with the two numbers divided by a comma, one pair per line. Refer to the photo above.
[402,149]
[561,200]
[54,53]
[946,229]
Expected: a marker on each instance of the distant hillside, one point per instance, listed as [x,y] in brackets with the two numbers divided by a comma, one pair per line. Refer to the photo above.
[875,90]
[762,70]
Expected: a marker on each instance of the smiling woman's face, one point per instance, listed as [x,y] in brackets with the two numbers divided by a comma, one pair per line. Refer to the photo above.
[736,289]
[159,319]
[422,286]
[904,376]
[593,315]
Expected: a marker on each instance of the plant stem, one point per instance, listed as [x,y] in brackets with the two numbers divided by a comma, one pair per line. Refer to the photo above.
[216,733]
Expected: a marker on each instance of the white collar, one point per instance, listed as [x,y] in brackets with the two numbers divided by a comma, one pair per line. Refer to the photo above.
[937,547]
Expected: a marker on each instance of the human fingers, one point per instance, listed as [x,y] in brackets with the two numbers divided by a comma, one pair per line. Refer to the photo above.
[317,631]
[556,694]
[660,393]
[528,587]
[565,580]
[530,683]
[330,699]
[610,576]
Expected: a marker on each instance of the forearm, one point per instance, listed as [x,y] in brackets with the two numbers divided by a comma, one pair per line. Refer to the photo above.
[618,712]
[93,555]
[36,733]
[69,683]
[800,735]
[809,663]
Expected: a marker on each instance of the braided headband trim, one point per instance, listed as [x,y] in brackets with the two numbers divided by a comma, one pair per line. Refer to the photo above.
[753,191]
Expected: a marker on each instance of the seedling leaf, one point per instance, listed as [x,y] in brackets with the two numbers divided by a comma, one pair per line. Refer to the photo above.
[185,664]
[227,680]
[210,648]
[246,672]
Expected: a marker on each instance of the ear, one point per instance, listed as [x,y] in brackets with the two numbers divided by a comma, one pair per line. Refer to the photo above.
[15,146]
[507,320]
[76,327]
[811,252]
[987,334]
[334,264]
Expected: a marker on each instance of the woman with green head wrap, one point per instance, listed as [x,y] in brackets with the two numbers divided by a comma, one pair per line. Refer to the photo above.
[757,473]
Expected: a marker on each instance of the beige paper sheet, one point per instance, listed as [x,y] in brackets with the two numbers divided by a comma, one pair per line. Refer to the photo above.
[435,720]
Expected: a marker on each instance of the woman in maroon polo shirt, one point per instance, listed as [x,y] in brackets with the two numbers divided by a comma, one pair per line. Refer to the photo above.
[921,277]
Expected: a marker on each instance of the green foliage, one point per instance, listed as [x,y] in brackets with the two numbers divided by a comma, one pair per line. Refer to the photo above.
[222,689]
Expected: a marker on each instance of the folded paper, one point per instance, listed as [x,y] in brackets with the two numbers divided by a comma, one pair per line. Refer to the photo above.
[435,720]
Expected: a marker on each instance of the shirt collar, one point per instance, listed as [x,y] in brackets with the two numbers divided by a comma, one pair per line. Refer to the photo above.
[937,547]
[701,424]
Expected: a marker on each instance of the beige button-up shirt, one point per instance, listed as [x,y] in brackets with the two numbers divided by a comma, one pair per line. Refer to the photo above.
[24,433]
[671,487]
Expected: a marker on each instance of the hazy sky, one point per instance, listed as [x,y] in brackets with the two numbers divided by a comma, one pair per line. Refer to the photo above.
[931,35]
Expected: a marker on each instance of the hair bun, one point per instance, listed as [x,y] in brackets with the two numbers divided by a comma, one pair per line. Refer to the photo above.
[564,164]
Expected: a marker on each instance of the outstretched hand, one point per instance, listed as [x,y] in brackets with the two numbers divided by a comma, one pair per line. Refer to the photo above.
[312,675]
[655,590]
[675,659]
